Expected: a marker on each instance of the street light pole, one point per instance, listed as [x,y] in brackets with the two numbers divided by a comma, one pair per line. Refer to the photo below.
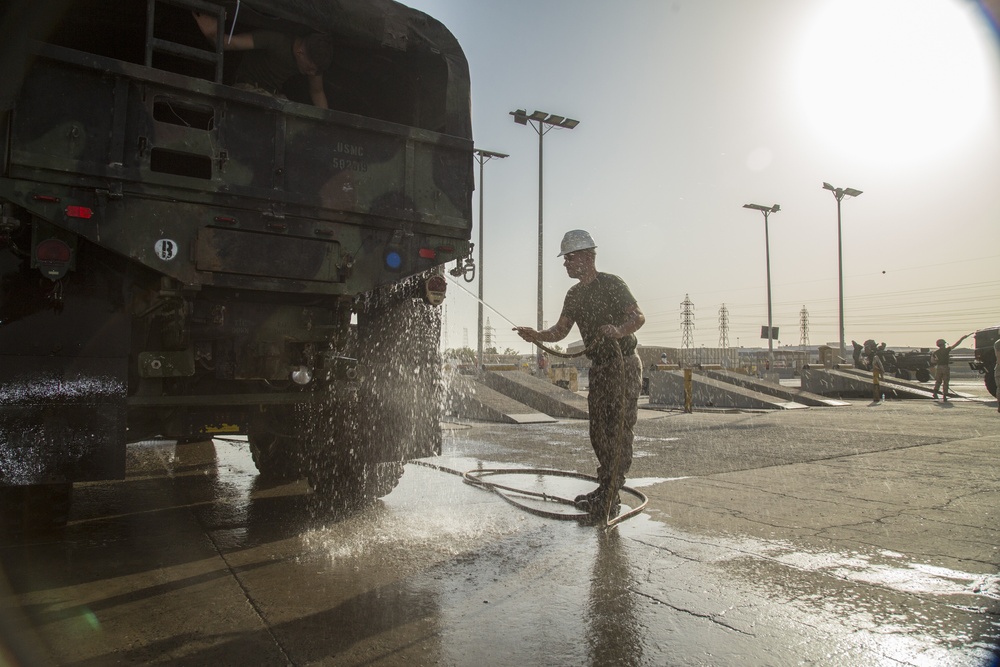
[482,157]
[541,122]
[839,194]
[767,210]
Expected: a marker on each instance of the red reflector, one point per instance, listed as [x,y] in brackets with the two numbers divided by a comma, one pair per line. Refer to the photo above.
[79,212]
[437,284]
[226,219]
[52,250]
[47,198]
[428,253]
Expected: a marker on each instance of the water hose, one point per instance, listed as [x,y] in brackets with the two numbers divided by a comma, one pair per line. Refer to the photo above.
[475,478]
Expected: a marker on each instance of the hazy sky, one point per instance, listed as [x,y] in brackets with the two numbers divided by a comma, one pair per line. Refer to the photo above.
[689,109]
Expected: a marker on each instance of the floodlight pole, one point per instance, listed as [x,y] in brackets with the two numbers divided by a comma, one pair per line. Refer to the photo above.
[541,122]
[482,157]
[839,194]
[767,210]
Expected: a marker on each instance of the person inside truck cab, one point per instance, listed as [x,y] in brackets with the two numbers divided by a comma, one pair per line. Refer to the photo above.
[272,58]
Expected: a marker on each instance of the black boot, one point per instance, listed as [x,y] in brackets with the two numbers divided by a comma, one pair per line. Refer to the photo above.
[601,508]
[584,500]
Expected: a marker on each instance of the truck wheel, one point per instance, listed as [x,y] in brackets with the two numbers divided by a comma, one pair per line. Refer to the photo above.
[35,507]
[991,382]
[275,438]
[347,483]
[341,470]
[923,375]
[395,415]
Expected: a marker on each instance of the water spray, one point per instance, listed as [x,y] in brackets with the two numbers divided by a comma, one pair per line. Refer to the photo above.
[556,353]
[504,317]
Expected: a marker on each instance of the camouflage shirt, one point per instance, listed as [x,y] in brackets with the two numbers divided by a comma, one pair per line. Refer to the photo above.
[604,300]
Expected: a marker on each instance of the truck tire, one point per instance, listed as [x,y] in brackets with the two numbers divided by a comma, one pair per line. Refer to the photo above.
[923,375]
[315,441]
[348,483]
[396,415]
[344,469]
[275,439]
[343,472]
[353,450]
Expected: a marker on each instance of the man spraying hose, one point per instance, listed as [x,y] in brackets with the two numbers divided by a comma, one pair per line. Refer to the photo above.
[603,307]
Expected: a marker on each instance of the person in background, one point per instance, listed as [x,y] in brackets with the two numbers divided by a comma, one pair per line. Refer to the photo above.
[858,362]
[272,58]
[602,305]
[996,369]
[942,359]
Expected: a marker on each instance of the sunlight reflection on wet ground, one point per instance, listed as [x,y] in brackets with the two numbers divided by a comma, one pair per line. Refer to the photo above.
[741,566]
[649,594]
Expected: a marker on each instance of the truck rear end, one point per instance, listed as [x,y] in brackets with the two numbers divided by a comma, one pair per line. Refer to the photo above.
[985,360]
[181,258]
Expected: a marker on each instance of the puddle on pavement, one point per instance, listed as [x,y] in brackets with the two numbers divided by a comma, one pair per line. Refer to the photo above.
[641,594]
[431,514]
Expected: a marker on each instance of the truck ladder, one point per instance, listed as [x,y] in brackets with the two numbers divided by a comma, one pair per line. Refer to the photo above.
[155,44]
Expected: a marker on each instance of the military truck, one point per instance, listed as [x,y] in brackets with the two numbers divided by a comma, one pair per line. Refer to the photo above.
[180,258]
[985,360]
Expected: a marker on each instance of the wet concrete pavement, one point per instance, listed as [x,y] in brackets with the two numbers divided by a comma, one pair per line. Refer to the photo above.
[865,535]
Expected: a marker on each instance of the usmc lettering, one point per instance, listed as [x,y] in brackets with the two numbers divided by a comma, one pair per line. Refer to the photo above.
[350,149]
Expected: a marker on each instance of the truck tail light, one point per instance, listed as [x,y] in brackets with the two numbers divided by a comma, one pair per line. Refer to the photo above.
[53,250]
[436,287]
[79,212]
[53,258]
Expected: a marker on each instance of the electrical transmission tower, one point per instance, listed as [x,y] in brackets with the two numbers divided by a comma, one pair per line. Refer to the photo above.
[723,327]
[488,335]
[687,323]
[465,336]
[803,327]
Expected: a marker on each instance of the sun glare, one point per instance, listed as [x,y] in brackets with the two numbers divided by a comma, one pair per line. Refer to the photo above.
[893,81]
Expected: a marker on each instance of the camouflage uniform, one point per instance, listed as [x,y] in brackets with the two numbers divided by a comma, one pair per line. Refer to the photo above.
[615,373]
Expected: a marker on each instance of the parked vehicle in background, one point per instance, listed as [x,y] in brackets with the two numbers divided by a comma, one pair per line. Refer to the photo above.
[903,365]
[181,258]
[910,365]
[985,360]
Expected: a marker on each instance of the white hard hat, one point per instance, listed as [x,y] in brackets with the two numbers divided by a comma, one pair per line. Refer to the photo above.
[576,239]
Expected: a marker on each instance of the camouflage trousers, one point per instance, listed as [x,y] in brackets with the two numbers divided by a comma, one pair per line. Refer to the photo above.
[613,405]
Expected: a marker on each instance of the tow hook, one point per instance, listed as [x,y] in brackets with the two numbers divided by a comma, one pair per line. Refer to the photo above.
[467,269]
